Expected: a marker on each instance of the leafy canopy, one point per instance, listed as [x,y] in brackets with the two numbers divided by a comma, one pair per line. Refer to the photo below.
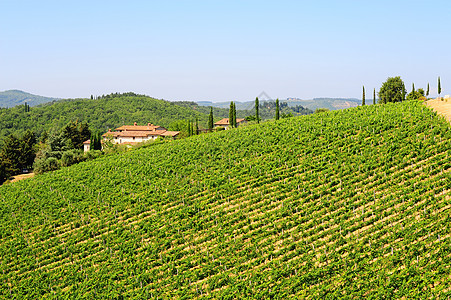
[393,90]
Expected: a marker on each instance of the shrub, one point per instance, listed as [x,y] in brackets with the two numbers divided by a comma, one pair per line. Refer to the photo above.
[71,157]
[43,165]
[93,154]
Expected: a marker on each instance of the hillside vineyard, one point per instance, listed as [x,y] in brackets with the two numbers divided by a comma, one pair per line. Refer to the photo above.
[348,204]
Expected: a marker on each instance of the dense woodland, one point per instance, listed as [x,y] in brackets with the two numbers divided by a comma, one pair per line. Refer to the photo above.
[344,204]
[53,125]
[111,111]
[105,112]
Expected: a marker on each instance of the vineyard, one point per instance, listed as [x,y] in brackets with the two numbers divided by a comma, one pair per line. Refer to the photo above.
[343,204]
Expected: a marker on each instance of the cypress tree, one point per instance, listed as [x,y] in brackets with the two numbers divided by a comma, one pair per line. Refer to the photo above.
[99,141]
[413,88]
[363,96]
[93,140]
[234,115]
[374,96]
[231,115]
[197,126]
[427,91]
[439,87]
[210,119]
[277,109]
[256,110]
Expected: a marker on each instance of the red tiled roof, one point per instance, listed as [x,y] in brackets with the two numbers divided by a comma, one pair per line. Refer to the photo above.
[139,128]
[134,133]
[139,131]
[170,133]
[225,121]
[111,133]
[87,142]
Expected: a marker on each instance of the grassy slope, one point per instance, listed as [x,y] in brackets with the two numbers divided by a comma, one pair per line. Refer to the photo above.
[101,114]
[342,204]
[15,97]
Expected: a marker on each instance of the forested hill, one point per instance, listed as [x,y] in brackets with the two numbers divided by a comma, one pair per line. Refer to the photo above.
[12,98]
[267,109]
[106,112]
[347,204]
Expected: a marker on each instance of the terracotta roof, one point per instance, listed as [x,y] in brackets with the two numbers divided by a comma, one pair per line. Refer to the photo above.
[170,133]
[135,133]
[87,142]
[111,133]
[225,121]
[140,131]
[139,128]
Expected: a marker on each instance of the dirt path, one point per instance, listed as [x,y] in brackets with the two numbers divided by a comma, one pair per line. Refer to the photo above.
[22,176]
[442,107]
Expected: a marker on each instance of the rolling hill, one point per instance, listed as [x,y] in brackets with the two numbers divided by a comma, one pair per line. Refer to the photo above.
[114,110]
[346,204]
[110,111]
[13,98]
[329,103]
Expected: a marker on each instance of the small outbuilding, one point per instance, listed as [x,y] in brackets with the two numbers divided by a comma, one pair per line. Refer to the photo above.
[225,123]
[87,145]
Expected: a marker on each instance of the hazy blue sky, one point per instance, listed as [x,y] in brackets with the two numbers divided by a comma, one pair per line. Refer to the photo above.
[222,50]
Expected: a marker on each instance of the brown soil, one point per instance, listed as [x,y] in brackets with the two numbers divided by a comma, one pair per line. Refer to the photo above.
[442,107]
[22,176]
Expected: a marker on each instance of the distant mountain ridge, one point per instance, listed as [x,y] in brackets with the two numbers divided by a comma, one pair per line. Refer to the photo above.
[329,103]
[13,98]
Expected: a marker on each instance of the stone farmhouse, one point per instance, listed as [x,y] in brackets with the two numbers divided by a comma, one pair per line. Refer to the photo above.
[225,123]
[134,134]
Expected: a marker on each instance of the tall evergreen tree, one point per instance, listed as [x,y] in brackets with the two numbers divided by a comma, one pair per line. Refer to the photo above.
[96,141]
[77,132]
[93,140]
[197,126]
[231,115]
[363,96]
[427,91]
[374,96]
[413,87]
[27,149]
[189,128]
[439,89]
[2,171]
[256,110]
[210,119]
[99,142]
[18,153]
[234,115]
[277,109]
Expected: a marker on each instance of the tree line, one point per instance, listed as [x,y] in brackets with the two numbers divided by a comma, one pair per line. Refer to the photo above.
[394,90]
[59,148]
